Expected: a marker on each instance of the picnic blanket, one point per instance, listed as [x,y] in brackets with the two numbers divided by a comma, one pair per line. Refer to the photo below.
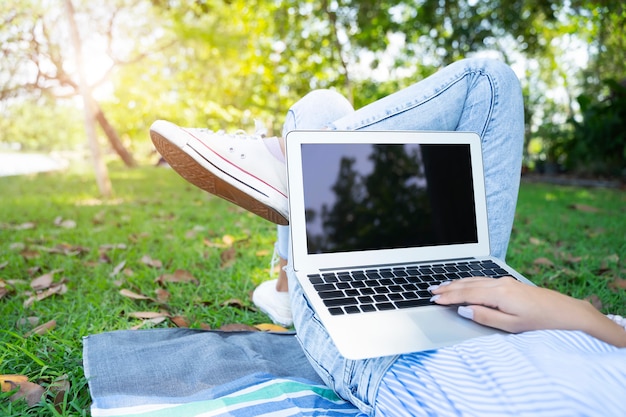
[186,372]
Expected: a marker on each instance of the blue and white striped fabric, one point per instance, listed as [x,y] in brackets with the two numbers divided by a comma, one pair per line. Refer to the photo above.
[543,373]
[253,396]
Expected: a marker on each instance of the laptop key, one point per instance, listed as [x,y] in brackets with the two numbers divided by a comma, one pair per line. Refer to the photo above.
[330,294]
[385,306]
[338,302]
[352,309]
[324,287]
[412,303]
[335,311]
[367,308]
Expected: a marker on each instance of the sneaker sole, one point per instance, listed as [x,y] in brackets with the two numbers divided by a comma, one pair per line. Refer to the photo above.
[202,177]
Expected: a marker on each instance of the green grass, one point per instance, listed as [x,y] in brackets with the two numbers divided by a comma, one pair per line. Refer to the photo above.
[156,213]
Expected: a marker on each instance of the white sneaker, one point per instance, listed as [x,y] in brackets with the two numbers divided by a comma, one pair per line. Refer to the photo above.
[275,304]
[236,167]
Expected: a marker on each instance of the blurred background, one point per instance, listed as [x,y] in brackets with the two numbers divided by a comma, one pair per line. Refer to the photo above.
[81,81]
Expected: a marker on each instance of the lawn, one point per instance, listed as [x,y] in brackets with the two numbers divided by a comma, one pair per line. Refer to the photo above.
[162,253]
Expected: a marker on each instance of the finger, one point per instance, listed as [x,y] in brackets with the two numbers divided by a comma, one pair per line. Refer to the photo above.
[485,294]
[491,318]
[460,283]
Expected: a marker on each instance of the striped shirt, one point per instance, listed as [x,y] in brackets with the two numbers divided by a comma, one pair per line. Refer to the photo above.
[542,373]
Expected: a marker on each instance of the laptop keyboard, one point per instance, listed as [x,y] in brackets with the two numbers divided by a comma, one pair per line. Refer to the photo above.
[361,291]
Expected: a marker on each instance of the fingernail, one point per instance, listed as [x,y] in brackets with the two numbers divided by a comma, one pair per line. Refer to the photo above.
[466,312]
[432,288]
[435,298]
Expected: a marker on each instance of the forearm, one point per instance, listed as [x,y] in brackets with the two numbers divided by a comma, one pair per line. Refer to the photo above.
[603,328]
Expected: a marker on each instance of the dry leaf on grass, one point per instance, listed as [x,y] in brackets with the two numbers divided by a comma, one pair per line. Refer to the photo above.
[270,327]
[156,320]
[117,269]
[134,295]
[64,223]
[595,301]
[57,288]
[148,315]
[618,284]
[180,275]
[543,262]
[227,257]
[585,208]
[44,328]
[28,321]
[27,390]
[155,263]
[162,295]
[237,327]
[44,281]
[180,321]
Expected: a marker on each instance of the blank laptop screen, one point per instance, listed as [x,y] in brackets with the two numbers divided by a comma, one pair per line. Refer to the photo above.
[384,196]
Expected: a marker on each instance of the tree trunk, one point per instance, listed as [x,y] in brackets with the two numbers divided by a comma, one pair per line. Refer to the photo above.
[113,137]
[102,174]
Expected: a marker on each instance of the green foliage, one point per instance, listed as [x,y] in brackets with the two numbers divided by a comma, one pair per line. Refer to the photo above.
[598,143]
[38,125]
[223,63]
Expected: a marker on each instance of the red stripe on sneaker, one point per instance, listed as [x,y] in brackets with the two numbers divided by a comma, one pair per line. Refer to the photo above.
[232,164]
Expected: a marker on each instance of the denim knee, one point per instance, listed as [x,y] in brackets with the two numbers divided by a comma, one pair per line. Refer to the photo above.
[316,110]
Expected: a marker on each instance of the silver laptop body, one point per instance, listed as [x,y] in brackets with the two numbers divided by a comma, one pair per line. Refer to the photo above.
[381,204]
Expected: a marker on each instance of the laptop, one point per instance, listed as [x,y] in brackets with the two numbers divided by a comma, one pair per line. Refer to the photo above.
[376,218]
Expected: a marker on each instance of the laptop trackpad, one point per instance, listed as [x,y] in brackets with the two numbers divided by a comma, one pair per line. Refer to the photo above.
[444,326]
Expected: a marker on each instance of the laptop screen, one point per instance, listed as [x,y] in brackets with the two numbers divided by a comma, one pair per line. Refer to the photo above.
[385,196]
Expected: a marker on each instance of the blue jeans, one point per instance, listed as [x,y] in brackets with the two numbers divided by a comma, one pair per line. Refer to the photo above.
[476,95]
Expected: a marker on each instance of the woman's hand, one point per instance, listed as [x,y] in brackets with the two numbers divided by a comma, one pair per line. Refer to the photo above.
[510,305]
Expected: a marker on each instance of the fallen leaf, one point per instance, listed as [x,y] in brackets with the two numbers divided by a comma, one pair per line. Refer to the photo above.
[4,264]
[66,249]
[134,295]
[29,254]
[585,208]
[595,301]
[535,241]
[180,321]
[30,321]
[29,391]
[44,328]
[108,247]
[234,302]
[17,246]
[270,327]
[156,320]
[117,269]
[180,275]
[236,327]
[25,226]
[263,252]
[59,387]
[44,281]
[227,257]
[58,288]
[7,382]
[162,295]
[228,240]
[618,284]
[155,263]
[147,314]
[543,262]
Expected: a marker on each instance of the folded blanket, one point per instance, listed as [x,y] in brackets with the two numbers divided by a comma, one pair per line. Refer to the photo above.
[185,372]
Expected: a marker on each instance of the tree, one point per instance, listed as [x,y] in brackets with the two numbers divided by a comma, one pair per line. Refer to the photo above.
[36,62]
